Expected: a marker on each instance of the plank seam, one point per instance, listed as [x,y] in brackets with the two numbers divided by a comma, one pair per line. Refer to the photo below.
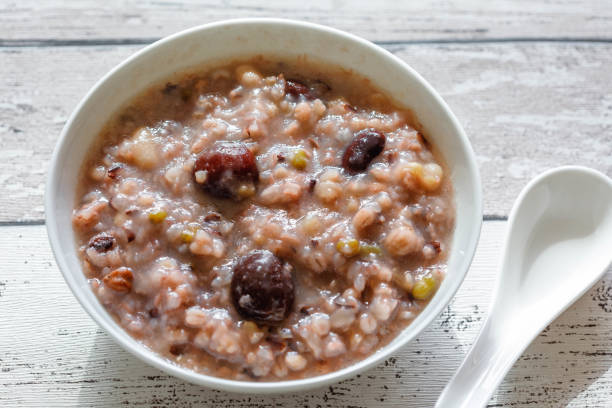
[21,223]
[494,217]
[26,223]
[38,42]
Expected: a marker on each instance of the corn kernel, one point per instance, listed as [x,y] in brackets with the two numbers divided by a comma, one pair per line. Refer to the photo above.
[157,216]
[299,160]
[187,236]
[366,249]
[424,288]
[348,247]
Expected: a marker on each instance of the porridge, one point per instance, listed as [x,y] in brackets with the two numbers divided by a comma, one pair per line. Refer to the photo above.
[263,222]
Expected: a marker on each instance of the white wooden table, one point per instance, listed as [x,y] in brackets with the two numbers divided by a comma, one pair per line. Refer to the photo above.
[531,83]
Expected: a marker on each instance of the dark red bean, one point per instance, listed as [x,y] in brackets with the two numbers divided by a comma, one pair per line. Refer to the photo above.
[228,166]
[131,210]
[366,145]
[305,310]
[177,349]
[130,236]
[350,107]
[102,242]
[316,89]
[311,185]
[113,172]
[212,217]
[296,88]
[262,287]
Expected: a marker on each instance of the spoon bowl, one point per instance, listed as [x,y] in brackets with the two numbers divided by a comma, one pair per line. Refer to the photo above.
[559,244]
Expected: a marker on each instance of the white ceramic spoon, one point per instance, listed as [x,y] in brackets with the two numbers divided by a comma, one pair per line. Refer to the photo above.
[559,244]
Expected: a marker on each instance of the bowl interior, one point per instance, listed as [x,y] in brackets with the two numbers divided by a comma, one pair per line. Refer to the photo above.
[240,39]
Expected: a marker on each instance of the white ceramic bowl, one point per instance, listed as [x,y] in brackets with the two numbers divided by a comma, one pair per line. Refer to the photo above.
[243,38]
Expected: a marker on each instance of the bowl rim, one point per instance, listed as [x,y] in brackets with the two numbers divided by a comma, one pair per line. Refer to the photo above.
[152,358]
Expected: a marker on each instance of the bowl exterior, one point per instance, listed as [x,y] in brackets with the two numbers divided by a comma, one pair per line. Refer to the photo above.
[240,39]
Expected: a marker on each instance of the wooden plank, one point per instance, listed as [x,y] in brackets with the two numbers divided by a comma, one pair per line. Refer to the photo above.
[525,107]
[53,355]
[388,20]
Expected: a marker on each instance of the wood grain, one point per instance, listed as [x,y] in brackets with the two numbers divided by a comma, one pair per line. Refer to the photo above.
[525,107]
[53,355]
[32,22]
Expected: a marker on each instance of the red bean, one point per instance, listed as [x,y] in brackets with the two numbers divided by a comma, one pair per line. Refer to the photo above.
[262,287]
[296,88]
[227,166]
[102,242]
[366,145]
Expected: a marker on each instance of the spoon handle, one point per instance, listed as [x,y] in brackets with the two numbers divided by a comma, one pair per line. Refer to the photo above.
[485,366]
